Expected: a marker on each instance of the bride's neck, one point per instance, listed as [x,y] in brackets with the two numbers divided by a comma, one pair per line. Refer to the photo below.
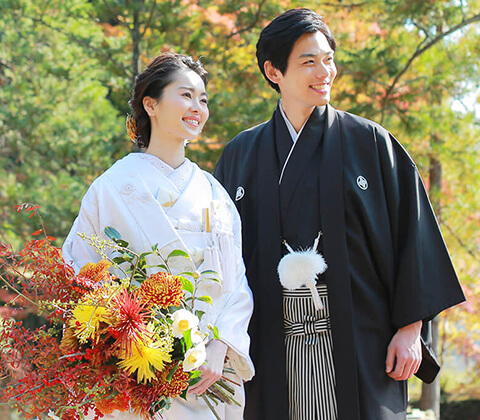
[172,152]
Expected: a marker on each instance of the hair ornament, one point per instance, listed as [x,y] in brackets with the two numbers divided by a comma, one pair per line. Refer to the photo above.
[131,126]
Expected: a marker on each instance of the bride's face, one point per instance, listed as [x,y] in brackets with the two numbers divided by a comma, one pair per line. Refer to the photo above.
[182,110]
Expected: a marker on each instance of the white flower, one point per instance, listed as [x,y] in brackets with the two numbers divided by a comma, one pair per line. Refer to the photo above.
[184,320]
[194,357]
[197,337]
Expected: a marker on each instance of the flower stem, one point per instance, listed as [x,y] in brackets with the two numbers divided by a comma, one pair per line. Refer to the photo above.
[210,406]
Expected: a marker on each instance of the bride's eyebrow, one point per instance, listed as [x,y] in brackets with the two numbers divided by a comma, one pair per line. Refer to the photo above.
[192,90]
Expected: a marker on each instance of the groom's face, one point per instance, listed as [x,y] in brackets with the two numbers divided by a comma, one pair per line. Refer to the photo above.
[310,72]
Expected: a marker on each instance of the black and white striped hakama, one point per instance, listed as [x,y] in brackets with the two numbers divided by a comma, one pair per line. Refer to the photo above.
[310,371]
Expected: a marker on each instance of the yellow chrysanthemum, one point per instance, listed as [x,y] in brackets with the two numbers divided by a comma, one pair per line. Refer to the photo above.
[145,357]
[86,320]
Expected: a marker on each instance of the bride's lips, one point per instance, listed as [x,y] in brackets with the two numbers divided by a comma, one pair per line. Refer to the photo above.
[193,121]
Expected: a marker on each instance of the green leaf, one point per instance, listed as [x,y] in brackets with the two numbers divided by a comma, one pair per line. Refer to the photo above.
[186,273]
[162,266]
[128,253]
[112,233]
[210,279]
[178,253]
[120,242]
[216,336]
[205,298]
[186,284]
[199,314]
[170,374]
[143,255]
[155,248]
[195,380]
[214,273]
[118,260]
[187,336]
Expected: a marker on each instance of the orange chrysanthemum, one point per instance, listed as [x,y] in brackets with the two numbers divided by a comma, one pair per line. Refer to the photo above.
[107,406]
[160,389]
[69,342]
[143,397]
[177,384]
[96,272]
[162,289]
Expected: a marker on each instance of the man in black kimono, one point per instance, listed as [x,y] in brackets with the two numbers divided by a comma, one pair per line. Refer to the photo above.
[313,168]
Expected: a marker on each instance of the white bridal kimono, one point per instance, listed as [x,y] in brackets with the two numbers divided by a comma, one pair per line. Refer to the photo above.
[148,203]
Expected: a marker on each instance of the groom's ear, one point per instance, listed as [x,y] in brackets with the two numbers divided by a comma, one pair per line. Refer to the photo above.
[273,74]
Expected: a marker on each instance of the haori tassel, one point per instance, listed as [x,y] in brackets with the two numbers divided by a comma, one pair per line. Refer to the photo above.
[301,268]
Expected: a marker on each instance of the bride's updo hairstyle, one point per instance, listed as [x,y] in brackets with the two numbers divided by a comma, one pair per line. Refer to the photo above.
[151,82]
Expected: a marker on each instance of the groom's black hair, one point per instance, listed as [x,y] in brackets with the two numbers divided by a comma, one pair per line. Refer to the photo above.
[279,36]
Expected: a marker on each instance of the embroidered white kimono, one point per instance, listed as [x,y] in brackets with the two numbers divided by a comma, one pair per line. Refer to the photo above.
[150,203]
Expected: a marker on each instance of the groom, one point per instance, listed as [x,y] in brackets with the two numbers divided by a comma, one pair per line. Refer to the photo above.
[313,168]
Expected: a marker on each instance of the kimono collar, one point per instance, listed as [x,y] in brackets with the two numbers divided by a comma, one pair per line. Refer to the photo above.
[291,128]
[293,162]
[178,176]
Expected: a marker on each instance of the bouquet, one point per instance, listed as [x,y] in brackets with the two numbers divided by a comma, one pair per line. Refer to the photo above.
[111,342]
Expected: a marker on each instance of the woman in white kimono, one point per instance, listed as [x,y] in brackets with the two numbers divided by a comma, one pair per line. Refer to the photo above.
[157,196]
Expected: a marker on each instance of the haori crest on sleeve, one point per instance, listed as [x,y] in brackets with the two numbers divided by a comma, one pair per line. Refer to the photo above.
[301,268]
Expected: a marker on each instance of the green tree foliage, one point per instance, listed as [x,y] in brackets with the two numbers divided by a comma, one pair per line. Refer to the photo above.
[58,128]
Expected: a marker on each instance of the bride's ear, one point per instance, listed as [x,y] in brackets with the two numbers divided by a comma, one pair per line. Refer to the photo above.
[149,105]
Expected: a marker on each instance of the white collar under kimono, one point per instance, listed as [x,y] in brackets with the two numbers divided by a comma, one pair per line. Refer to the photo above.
[293,134]
[290,127]
[178,176]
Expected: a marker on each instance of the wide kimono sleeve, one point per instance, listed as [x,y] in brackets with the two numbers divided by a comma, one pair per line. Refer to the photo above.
[425,281]
[236,309]
[77,251]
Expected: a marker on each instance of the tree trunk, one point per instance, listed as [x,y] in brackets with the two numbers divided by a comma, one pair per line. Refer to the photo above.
[430,398]
[136,38]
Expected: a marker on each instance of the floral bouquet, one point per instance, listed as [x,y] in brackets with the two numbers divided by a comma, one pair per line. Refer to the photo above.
[128,342]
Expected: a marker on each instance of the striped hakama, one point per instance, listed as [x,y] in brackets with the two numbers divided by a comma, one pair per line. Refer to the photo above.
[308,341]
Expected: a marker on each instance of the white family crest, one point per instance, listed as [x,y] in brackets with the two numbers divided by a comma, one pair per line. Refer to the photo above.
[127,189]
[362,182]
[240,193]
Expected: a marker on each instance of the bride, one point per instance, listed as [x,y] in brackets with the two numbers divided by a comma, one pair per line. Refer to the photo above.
[158,196]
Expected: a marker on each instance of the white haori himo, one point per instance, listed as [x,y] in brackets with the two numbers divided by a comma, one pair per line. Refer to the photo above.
[301,268]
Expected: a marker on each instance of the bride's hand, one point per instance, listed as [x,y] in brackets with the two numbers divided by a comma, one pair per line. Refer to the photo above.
[212,370]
